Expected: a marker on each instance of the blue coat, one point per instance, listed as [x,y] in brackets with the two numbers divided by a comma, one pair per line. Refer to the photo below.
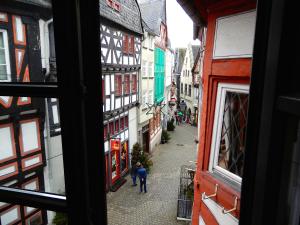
[142,173]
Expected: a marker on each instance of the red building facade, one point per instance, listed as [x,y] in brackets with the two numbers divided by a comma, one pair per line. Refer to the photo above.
[228,30]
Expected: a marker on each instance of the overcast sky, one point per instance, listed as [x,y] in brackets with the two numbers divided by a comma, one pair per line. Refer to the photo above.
[180,26]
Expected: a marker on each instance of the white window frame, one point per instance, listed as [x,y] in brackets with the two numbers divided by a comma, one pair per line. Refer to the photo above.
[6,50]
[144,68]
[150,66]
[223,88]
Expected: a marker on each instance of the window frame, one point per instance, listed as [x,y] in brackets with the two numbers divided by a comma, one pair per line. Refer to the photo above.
[126,84]
[222,89]
[79,83]
[6,55]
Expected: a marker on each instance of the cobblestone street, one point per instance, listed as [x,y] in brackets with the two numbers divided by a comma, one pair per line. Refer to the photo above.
[158,206]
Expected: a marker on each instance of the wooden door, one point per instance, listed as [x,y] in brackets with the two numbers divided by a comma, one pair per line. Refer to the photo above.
[115,160]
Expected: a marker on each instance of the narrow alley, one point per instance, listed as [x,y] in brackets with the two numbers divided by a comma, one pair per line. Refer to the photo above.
[158,206]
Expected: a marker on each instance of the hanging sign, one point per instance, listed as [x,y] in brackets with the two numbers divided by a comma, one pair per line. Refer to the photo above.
[115,144]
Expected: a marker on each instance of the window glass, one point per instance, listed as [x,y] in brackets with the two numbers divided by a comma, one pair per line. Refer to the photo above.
[4,57]
[134,83]
[118,85]
[144,68]
[150,69]
[127,84]
[229,135]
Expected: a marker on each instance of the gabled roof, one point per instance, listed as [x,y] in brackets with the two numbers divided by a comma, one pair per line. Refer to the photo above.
[179,59]
[195,50]
[153,13]
[128,17]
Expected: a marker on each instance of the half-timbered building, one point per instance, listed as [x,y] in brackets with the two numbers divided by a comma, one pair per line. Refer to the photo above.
[226,29]
[121,32]
[22,118]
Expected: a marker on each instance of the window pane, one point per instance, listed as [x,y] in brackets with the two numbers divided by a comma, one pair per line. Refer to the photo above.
[233,132]
[21,214]
[2,56]
[1,40]
[30,144]
[3,72]
[28,59]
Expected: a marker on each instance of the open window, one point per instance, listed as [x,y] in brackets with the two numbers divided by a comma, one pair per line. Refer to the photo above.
[229,131]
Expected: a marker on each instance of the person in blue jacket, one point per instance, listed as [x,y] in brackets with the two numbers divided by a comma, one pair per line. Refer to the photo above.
[142,174]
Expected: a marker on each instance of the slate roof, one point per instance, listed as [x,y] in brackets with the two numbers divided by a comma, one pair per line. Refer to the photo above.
[128,17]
[153,13]
[179,58]
[195,50]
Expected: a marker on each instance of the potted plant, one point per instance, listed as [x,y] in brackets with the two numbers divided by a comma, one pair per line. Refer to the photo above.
[165,137]
[170,125]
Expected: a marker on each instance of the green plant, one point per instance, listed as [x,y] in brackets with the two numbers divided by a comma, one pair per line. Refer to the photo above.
[165,136]
[138,155]
[60,219]
[170,125]
[189,191]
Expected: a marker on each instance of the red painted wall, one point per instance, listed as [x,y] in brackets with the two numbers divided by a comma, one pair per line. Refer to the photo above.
[215,71]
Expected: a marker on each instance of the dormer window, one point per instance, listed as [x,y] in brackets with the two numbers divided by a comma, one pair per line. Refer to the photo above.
[114,5]
[117,6]
[110,3]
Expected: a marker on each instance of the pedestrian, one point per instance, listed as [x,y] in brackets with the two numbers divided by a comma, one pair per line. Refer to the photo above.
[142,174]
[133,173]
[177,119]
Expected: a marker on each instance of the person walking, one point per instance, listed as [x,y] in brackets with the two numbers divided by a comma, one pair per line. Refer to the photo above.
[133,173]
[142,174]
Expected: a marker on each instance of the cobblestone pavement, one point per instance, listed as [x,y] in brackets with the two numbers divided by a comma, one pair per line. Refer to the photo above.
[159,205]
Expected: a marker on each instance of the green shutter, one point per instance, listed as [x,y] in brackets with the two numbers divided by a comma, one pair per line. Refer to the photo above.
[159,73]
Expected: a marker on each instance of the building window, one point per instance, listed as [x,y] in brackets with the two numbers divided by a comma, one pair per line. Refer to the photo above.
[150,97]
[150,69]
[118,85]
[229,132]
[4,57]
[134,83]
[117,6]
[117,130]
[181,89]
[190,90]
[111,128]
[131,45]
[122,123]
[125,43]
[110,3]
[126,121]
[144,68]
[126,84]
[144,99]
[128,44]
[185,89]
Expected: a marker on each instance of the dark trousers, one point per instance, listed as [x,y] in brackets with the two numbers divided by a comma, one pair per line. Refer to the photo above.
[133,179]
[143,183]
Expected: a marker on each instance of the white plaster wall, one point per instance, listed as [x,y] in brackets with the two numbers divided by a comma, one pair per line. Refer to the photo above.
[132,120]
[155,140]
[235,35]
[54,171]
[146,83]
